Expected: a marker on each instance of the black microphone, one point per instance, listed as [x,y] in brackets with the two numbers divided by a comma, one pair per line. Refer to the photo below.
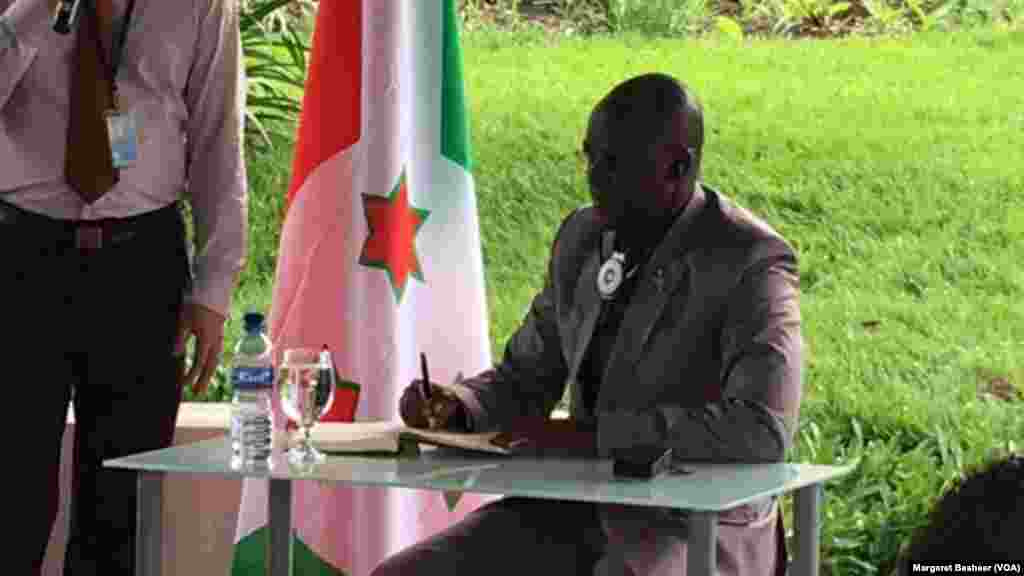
[66,16]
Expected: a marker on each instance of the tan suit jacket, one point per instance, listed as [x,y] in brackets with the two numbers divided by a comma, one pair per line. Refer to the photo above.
[707,359]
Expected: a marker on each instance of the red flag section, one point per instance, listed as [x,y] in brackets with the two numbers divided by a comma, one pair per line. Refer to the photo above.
[336,70]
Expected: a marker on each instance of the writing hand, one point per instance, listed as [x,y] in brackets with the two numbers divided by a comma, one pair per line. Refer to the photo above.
[441,411]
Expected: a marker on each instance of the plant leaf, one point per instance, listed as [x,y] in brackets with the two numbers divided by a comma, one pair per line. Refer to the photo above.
[729,27]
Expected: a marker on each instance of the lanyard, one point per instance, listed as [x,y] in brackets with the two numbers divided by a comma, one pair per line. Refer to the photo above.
[117,49]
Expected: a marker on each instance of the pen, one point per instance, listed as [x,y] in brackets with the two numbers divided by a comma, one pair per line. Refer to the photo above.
[425,384]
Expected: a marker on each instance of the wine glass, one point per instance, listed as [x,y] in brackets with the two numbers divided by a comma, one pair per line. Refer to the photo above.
[307,390]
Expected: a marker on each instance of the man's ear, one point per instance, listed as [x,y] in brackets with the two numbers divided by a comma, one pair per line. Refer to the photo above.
[681,167]
[678,170]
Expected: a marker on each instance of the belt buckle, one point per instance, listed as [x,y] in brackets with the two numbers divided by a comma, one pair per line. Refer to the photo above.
[88,237]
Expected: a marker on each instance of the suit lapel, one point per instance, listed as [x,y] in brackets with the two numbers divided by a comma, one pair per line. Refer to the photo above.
[664,274]
[659,281]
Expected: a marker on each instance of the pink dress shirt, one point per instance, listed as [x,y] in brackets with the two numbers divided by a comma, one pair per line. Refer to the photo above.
[182,72]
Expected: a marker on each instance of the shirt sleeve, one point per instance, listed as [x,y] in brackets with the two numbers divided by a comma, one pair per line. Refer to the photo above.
[755,420]
[217,187]
[15,57]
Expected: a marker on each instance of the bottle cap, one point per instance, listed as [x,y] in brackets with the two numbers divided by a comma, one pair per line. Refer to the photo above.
[253,322]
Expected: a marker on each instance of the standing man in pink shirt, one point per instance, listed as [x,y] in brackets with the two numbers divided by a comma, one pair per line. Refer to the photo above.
[110,119]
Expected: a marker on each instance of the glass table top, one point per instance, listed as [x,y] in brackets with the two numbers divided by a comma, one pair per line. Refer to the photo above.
[702,487]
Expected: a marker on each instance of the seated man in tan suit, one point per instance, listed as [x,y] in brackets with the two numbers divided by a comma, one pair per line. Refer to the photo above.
[673,315]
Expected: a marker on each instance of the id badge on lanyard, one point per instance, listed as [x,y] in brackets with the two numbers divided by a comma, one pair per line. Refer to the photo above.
[122,125]
[124,137]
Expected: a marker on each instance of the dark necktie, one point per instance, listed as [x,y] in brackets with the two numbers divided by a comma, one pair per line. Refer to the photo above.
[88,164]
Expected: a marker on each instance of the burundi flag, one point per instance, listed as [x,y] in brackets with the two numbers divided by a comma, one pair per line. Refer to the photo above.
[379,259]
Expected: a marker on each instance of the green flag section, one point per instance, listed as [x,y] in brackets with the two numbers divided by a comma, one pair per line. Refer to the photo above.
[454,122]
[379,260]
[251,553]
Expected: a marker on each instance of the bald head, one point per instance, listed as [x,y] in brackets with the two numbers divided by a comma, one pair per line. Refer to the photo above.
[652,108]
[643,148]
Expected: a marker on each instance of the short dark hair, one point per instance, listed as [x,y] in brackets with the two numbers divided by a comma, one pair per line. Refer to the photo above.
[980,518]
[664,96]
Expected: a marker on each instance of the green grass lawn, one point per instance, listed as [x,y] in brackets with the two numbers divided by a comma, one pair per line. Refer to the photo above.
[895,166]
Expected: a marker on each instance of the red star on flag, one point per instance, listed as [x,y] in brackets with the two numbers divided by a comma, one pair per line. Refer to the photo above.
[391,242]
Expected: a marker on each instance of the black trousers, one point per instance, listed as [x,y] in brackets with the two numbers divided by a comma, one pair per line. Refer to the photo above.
[97,327]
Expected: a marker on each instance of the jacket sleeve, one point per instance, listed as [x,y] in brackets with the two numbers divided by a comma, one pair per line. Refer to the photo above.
[755,419]
[532,374]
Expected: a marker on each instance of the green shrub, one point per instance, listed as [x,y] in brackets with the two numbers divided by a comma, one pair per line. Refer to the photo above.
[274,40]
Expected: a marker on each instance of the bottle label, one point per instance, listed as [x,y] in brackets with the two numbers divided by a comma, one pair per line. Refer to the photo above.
[250,377]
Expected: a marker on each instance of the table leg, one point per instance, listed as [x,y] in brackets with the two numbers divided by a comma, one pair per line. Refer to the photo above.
[701,547]
[148,518]
[807,518]
[279,512]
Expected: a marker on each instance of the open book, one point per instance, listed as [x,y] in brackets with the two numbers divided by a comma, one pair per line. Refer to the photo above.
[387,437]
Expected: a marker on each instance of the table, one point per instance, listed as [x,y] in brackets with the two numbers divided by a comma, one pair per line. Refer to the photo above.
[707,490]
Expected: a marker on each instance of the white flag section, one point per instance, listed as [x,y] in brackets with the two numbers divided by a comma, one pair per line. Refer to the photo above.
[379,259]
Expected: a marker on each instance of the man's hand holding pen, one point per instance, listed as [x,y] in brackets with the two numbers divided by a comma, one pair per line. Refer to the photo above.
[426,404]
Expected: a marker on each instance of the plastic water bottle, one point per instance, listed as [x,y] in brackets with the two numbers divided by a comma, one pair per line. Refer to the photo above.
[252,378]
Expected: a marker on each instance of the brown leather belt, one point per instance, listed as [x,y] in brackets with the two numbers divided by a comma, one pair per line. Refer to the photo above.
[86,236]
